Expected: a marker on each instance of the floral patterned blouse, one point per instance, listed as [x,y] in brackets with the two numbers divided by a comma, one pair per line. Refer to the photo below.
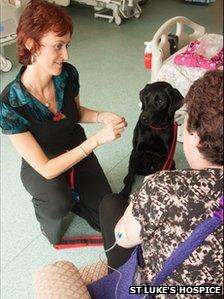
[16,95]
[169,206]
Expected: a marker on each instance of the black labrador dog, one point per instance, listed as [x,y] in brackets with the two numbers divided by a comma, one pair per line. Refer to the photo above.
[153,133]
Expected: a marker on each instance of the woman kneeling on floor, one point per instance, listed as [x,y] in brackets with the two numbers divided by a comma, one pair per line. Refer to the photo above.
[41,112]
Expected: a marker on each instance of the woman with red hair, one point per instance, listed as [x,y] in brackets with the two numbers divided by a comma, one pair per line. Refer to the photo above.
[41,112]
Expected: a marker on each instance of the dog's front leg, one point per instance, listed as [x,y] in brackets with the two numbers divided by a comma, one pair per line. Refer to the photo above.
[129,179]
[173,166]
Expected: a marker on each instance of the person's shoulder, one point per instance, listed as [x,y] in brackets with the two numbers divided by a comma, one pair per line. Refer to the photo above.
[171,179]
[184,174]
[160,176]
[13,95]
[179,181]
[5,94]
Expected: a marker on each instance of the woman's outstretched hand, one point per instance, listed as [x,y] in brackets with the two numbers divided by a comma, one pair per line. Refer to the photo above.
[108,117]
[111,131]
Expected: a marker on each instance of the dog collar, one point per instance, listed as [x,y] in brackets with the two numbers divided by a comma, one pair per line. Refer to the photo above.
[157,128]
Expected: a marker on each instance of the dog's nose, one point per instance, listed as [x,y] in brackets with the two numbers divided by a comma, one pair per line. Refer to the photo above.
[144,118]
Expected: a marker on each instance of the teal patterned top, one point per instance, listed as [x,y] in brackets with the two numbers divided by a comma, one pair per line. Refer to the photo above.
[16,95]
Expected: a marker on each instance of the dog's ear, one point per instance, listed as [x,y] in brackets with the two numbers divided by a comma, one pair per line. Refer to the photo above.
[144,91]
[176,100]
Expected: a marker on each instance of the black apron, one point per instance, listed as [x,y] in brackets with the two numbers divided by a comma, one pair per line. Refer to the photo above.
[52,199]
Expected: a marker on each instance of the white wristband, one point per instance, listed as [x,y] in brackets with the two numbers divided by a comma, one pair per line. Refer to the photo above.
[97,117]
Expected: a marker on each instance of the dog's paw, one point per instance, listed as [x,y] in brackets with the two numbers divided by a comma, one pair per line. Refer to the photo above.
[173,166]
[125,180]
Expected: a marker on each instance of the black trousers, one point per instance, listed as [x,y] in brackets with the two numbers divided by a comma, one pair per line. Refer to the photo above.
[112,208]
[52,199]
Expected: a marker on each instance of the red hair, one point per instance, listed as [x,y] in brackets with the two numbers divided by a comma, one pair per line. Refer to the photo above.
[38,18]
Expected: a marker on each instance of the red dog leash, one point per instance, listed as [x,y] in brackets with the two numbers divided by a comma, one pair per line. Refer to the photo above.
[167,165]
[77,241]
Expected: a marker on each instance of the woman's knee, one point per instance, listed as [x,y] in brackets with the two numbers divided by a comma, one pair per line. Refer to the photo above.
[60,203]
[52,205]
[60,208]
[52,198]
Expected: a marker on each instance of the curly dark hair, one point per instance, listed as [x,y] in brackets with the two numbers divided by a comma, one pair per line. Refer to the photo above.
[204,103]
[38,18]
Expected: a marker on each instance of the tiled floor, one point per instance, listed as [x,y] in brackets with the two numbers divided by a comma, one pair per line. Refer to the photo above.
[110,61]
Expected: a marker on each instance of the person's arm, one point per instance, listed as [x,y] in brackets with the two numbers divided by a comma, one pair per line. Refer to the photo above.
[30,150]
[127,230]
[92,116]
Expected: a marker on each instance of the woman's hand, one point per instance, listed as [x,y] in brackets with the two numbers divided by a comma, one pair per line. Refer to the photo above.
[108,117]
[111,131]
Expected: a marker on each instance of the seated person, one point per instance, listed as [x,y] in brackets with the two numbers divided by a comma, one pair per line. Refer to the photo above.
[170,204]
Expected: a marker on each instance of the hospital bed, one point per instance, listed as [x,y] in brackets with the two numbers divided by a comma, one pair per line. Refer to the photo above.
[9,19]
[113,10]
[163,67]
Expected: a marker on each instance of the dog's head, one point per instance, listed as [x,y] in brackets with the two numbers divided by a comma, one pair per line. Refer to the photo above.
[159,103]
